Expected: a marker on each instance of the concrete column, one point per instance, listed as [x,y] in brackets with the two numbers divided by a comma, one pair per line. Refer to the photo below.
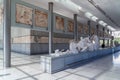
[111,42]
[103,36]
[97,30]
[89,28]
[7,33]
[75,28]
[50,27]
[108,39]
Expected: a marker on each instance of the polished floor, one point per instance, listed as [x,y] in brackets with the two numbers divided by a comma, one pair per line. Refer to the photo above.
[26,67]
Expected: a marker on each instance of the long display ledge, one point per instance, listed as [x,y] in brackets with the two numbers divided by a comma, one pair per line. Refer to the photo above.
[53,64]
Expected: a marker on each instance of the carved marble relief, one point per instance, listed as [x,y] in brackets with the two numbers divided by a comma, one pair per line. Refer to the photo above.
[86,30]
[22,39]
[70,26]
[1,14]
[24,14]
[93,31]
[101,33]
[105,35]
[59,23]
[80,28]
[38,39]
[41,18]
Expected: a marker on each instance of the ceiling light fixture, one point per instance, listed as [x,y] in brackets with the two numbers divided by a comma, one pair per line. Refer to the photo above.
[88,15]
[111,28]
[104,24]
[101,22]
[94,18]
[79,8]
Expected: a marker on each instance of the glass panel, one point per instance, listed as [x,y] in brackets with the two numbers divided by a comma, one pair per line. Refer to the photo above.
[1,34]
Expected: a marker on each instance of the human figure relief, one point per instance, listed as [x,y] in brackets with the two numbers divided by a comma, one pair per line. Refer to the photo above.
[59,23]
[70,26]
[41,18]
[24,14]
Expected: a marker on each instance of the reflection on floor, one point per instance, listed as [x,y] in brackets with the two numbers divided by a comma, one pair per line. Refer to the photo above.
[28,68]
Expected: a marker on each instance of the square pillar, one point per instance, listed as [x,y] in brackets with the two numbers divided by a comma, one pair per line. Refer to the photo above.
[108,38]
[75,28]
[97,30]
[103,45]
[7,33]
[50,23]
[89,28]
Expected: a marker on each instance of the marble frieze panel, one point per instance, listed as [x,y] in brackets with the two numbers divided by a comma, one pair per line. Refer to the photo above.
[24,14]
[59,23]
[70,26]
[41,18]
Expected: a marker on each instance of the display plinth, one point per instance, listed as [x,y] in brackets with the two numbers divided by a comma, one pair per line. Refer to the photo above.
[53,64]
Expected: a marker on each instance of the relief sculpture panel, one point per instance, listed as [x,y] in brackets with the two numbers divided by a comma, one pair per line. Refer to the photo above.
[93,31]
[59,23]
[41,18]
[80,28]
[1,14]
[70,26]
[24,14]
[86,30]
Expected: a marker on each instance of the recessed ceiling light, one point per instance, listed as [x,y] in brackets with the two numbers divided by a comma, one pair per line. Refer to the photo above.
[111,28]
[79,8]
[88,15]
[104,24]
[101,22]
[94,18]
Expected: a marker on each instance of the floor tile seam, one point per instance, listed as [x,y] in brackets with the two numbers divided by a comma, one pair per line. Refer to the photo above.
[80,75]
[30,76]
[63,76]
[27,74]
[24,64]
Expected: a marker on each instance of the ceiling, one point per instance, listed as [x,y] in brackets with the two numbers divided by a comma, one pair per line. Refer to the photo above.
[110,7]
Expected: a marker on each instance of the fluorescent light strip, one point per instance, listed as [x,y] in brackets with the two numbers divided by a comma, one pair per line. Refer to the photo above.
[88,15]
[111,28]
[94,18]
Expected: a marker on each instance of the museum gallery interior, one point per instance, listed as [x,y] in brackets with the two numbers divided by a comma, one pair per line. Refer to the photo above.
[59,40]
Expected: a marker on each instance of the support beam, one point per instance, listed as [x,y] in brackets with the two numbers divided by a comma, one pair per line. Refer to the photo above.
[50,27]
[75,28]
[89,28]
[7,33]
